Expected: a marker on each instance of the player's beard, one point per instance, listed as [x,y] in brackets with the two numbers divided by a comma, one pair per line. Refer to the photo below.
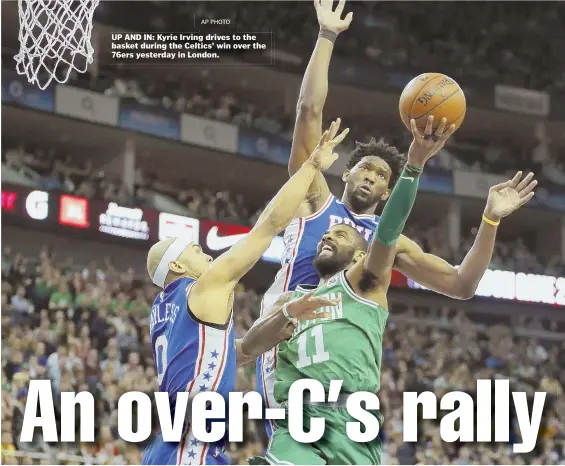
[330,265]
[361,203]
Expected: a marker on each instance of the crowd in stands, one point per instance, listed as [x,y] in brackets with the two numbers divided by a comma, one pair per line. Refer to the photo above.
[234,104]
[502,44]
[86,328]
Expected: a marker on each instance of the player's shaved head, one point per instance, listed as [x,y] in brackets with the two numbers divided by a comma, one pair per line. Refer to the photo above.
[361,243]
[155,255]
[188,261]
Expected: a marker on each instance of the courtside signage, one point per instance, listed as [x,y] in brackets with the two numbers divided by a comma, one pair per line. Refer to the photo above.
[218,236]
[123,221]
[150,225]
[37,205]
[73,211]
[86,105]
[524,287]
[175,226]
[9,201]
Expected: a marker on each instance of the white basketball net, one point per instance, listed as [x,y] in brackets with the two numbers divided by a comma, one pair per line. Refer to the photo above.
[54,39]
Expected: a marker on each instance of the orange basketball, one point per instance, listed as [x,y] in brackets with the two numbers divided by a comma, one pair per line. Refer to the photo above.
[432,94]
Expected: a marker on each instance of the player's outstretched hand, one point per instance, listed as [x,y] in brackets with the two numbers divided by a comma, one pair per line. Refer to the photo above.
[324,156]
[330,19]
[425,146]
[505,198]
[305,307]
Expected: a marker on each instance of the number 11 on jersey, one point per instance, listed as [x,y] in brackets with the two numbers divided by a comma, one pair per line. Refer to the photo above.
[320,354]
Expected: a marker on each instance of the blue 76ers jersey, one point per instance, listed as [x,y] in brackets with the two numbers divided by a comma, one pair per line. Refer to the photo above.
[301,240]
[189,357]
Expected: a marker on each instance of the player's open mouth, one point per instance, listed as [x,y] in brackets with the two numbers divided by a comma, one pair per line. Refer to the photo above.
[327,248]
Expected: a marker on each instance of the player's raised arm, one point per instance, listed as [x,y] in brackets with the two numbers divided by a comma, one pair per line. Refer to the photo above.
[312,98]
[279,323]
[374,271]
[462,282]
[214,287]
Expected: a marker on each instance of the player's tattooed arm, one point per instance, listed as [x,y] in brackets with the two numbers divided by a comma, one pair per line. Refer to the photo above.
[279,323]
[312,98]
[210,296]
[462,282]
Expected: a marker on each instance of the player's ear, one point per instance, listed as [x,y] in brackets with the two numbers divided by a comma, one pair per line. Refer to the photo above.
[385,195]
[176,267]
[359,254]
[345,176]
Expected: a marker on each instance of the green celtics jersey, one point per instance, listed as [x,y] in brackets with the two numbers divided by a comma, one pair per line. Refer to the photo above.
[345,346]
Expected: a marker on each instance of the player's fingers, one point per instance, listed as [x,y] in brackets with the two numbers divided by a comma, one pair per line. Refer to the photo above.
[340,7]
[337,140]
[323,302]
[327,3]
[348,18]
[314,315]
[526,199]
[330,132]
[448,133]
[429,126]
[324,138]
[514,181]
[308,295]
[317,4]
[415,130]
[525,181]
[528,189]
[441,128]
[501,186]
[335,127]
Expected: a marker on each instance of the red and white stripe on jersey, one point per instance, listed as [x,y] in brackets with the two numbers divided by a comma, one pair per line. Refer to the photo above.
[208,372]
[292,233]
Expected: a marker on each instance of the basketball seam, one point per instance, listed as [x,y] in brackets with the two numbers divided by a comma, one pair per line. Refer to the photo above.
[444,100]
[461,116]
[419,90]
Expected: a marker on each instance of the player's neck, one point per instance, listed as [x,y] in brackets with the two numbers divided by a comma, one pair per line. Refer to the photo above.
[366,211]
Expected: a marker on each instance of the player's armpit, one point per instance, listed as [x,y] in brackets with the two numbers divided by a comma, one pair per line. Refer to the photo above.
[430,271]
[372,281]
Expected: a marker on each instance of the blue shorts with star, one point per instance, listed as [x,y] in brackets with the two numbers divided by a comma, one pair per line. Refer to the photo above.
[189,451]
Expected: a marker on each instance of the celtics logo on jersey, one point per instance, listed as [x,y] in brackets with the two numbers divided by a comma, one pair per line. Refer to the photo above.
[346,345]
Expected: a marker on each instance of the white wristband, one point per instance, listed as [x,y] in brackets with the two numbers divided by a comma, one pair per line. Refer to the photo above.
[286,314]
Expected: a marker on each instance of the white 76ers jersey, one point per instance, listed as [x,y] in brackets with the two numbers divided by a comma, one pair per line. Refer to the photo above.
[301,240]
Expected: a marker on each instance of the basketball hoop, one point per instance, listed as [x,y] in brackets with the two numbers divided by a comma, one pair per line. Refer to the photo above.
[54,39]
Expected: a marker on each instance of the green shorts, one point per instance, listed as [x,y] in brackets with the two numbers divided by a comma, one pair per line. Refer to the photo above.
[334,447]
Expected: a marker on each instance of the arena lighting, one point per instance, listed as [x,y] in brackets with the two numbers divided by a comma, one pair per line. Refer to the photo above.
[522,287]
[124,222]
[9,200]
[37,205]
